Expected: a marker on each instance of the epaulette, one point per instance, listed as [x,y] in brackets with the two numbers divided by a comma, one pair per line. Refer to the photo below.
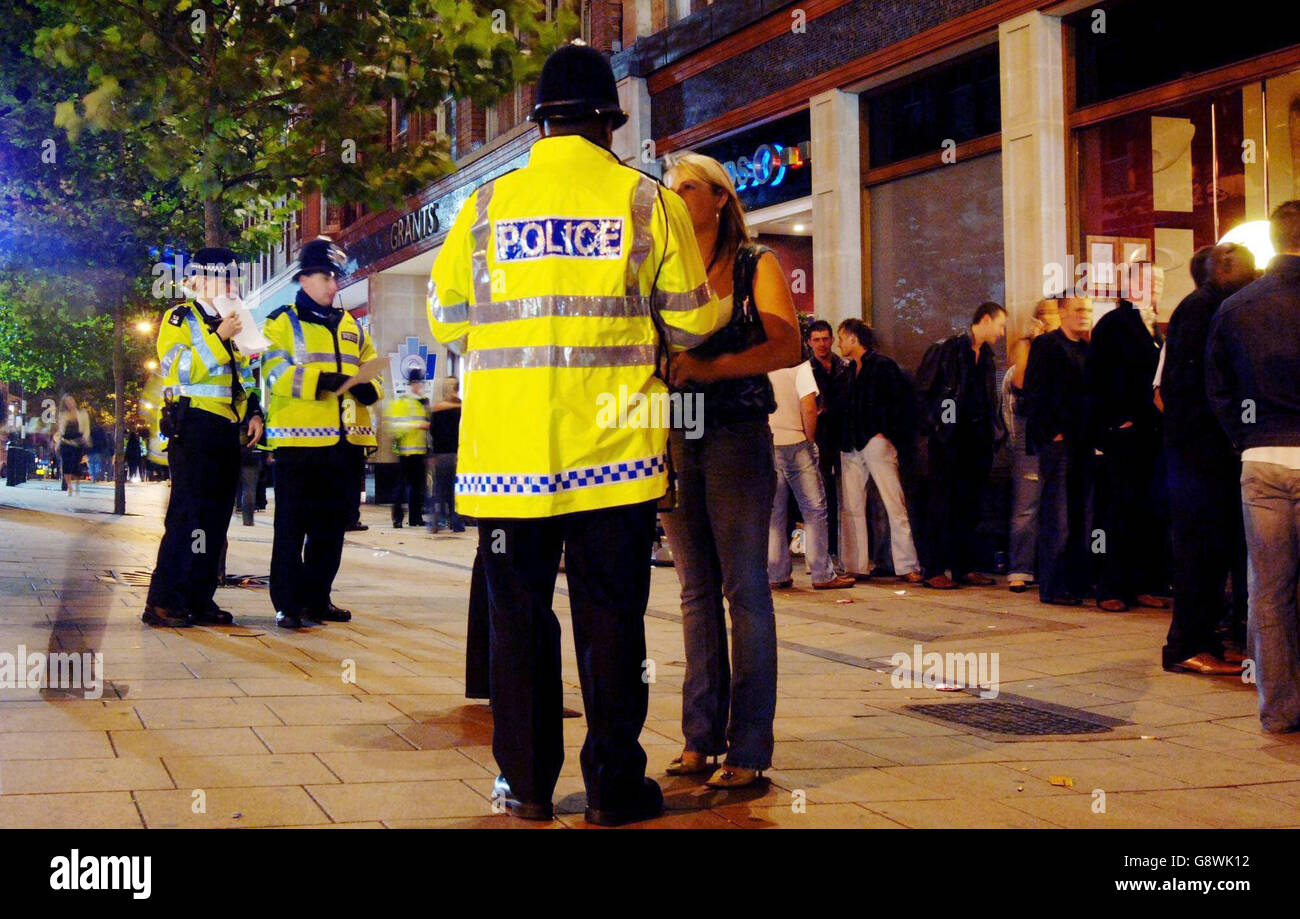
[179,313]
[277,311]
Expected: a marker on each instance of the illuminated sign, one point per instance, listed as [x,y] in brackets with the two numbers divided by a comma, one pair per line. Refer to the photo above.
[768,166]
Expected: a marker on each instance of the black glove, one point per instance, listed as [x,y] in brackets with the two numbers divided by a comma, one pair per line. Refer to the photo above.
[365,393]
[329,382]
[254,406]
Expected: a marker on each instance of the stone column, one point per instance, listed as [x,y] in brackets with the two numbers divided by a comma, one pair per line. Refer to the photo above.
[837,206]
[1033,160]
[632,141]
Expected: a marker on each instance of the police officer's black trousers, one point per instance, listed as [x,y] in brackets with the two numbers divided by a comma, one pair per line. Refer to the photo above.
[314,501]
[607,560]
[204,460]
[478,674]
[409,488]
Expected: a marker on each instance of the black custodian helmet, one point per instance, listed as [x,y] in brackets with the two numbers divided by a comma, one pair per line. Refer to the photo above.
[321,255]
[577,82]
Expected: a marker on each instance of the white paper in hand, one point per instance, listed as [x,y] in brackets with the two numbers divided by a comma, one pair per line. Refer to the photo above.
[250,339]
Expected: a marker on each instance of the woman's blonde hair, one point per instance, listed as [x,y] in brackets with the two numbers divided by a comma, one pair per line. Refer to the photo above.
[732,232]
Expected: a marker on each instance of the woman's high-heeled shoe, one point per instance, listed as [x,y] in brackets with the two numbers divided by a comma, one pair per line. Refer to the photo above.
[690,763]
[734,777]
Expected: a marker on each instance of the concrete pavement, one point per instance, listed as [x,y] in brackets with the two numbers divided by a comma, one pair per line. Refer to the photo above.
[365,723]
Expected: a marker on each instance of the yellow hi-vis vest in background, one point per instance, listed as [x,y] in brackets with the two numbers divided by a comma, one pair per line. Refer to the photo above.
[194,362]
[300,351]
[548,273]
[402,417]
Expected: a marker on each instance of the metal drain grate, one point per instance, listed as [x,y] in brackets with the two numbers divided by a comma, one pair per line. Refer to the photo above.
[1008,718]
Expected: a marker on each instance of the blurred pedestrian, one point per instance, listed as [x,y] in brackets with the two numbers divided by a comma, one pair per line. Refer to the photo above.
[73,426]
[407,418]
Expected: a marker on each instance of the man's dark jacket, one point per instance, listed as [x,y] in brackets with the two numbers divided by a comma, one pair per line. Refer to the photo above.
[880,400]
[950,370]
[1055,396]
[1254,354]
[1122,361]
[1188,420]
[833,389]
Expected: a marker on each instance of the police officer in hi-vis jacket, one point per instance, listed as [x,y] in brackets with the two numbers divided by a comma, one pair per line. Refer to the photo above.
[407,418]
[208,391]
[557,275]
[319,426]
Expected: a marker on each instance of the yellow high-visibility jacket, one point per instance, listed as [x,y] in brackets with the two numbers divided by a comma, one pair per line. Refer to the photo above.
[551,274]
[300,351]
[194,362]
[403,417]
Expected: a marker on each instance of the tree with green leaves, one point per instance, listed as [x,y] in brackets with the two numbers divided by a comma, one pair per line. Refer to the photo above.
[248,103]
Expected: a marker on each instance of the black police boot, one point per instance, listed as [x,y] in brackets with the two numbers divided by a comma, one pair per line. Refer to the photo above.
[211,615]
[289,621]
[646,806]
[328,613]
[503,797]
[165,618]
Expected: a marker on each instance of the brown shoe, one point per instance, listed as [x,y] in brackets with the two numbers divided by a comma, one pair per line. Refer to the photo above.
[940,582]
[975,579]
[1113,605]
[1151,602]
[782,585]
[1232,657]
[1206,664]
[912,577]
[836,583]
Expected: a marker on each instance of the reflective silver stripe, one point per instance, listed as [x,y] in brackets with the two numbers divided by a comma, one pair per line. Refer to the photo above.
[564,306]
[690,300]
[170,358]
[202,390]
[328,357]
[201,344]
[561,356]
[683,339]
[479,234]
[299,343]
[273,373]
[643,208]
[298,374]
[456,312]
[183,366]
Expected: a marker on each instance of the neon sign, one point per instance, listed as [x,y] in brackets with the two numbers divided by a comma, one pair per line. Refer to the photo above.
[768,165]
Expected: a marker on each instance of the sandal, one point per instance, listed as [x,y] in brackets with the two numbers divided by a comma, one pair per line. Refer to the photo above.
[734,777]
[690,763]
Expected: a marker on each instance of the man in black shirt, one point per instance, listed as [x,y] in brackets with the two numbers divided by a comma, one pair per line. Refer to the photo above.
[1204,479]
[834,376]
[1056,432]
[1122,359]
[960,418]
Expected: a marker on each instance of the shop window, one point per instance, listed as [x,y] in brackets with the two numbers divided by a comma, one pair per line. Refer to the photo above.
[957,102]
[1129,45]
[1157,185]
[936,254]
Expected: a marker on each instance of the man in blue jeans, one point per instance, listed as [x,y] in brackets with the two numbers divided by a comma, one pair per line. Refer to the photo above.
[794,428]
[1252,378]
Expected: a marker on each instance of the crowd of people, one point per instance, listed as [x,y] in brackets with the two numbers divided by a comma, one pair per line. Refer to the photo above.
[1124,455]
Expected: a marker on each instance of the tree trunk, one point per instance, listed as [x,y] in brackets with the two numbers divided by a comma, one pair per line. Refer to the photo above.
[119,410]
[213,234]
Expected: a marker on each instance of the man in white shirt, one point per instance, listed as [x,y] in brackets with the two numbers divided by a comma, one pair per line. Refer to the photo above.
[794,426]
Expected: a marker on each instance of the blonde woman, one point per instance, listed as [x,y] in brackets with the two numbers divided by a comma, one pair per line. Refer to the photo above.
[74,436]
[725,483]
